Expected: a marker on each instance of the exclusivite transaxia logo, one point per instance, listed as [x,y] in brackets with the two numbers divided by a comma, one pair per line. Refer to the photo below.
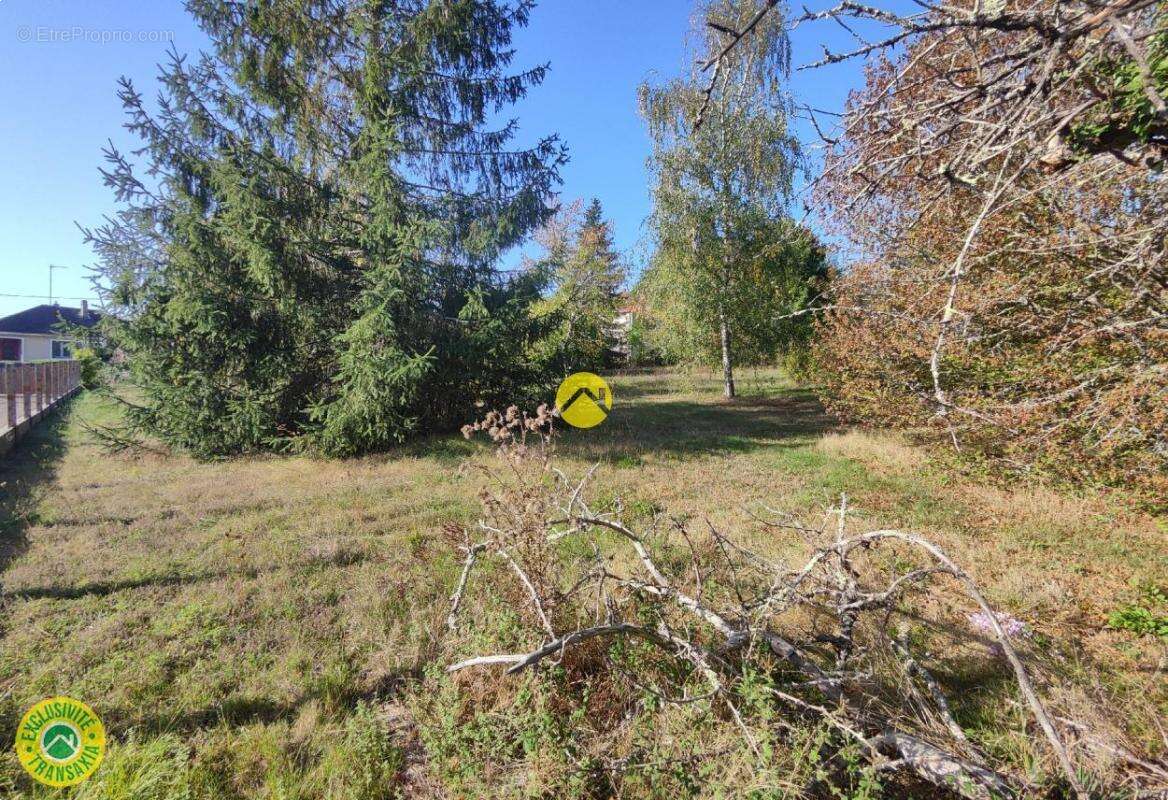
[60,741]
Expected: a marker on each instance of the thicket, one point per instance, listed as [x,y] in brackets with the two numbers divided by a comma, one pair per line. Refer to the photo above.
[999,186]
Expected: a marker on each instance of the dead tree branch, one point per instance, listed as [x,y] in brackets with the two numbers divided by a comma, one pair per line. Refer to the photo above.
[726,608]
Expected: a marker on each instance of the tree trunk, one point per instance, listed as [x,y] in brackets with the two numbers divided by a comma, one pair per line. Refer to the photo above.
[727,364]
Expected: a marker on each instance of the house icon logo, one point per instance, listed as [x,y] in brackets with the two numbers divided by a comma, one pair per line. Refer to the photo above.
[584,400]
[60,742]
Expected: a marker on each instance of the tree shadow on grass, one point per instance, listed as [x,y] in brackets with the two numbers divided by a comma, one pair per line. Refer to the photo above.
[104,588]
[688,429]
[654,385]
[241,709]
[448,449]
[25,470]
[643,424]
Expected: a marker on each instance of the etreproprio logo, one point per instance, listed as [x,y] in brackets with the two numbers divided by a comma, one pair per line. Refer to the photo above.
[584,400]
[60,741]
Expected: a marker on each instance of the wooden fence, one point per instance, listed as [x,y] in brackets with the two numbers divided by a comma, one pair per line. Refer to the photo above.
[29,392]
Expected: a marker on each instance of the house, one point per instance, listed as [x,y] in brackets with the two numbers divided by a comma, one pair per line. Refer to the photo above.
[35,334]
[626,314]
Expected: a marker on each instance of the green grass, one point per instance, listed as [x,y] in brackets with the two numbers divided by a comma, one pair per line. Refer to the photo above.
[272,627]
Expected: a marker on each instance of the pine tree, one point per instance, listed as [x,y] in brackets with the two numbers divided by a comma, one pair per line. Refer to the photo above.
[586,274]
[594,215]
[321,201]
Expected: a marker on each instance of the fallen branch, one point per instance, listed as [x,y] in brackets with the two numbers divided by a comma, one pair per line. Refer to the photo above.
[472,552]
[724,611]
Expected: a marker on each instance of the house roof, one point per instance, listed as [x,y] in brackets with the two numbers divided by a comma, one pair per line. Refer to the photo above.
[43,318]
[628,304]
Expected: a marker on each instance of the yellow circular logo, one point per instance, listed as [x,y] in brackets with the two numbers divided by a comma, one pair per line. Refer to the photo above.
[60,741]
[584,400]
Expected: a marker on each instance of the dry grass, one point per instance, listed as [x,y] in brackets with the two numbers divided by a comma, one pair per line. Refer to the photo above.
[251,619]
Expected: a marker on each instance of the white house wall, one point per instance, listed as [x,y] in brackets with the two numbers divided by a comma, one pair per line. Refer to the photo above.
[36,347]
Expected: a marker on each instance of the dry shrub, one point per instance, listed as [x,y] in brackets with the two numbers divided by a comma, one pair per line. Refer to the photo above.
[1009,288]
[862,647]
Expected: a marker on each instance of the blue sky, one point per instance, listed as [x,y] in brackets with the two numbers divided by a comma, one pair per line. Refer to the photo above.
[61,60]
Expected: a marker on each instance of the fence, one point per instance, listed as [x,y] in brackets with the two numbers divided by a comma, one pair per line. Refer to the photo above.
[29,392]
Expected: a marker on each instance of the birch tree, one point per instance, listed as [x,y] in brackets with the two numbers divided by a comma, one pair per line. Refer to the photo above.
[723,156]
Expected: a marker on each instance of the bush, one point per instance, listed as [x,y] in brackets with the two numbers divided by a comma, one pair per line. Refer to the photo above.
[1007,293]
[92,367]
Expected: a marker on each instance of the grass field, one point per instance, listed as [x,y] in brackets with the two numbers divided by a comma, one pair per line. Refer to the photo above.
[272,627]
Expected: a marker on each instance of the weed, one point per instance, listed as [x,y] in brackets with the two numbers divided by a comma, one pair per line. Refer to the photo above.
[1146,616]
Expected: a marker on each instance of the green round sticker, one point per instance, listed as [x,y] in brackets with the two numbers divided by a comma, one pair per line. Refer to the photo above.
[60,742]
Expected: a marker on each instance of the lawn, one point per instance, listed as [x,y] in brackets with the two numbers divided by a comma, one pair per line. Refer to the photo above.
[273,627]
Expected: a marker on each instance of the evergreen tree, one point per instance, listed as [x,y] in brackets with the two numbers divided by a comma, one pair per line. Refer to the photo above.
[594,215]
[586,274]
[309,258]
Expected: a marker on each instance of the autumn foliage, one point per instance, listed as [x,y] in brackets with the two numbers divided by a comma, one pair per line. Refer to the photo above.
[1009,292]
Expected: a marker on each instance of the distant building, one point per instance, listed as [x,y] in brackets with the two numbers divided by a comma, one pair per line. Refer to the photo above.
[35,333]
[626,314]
